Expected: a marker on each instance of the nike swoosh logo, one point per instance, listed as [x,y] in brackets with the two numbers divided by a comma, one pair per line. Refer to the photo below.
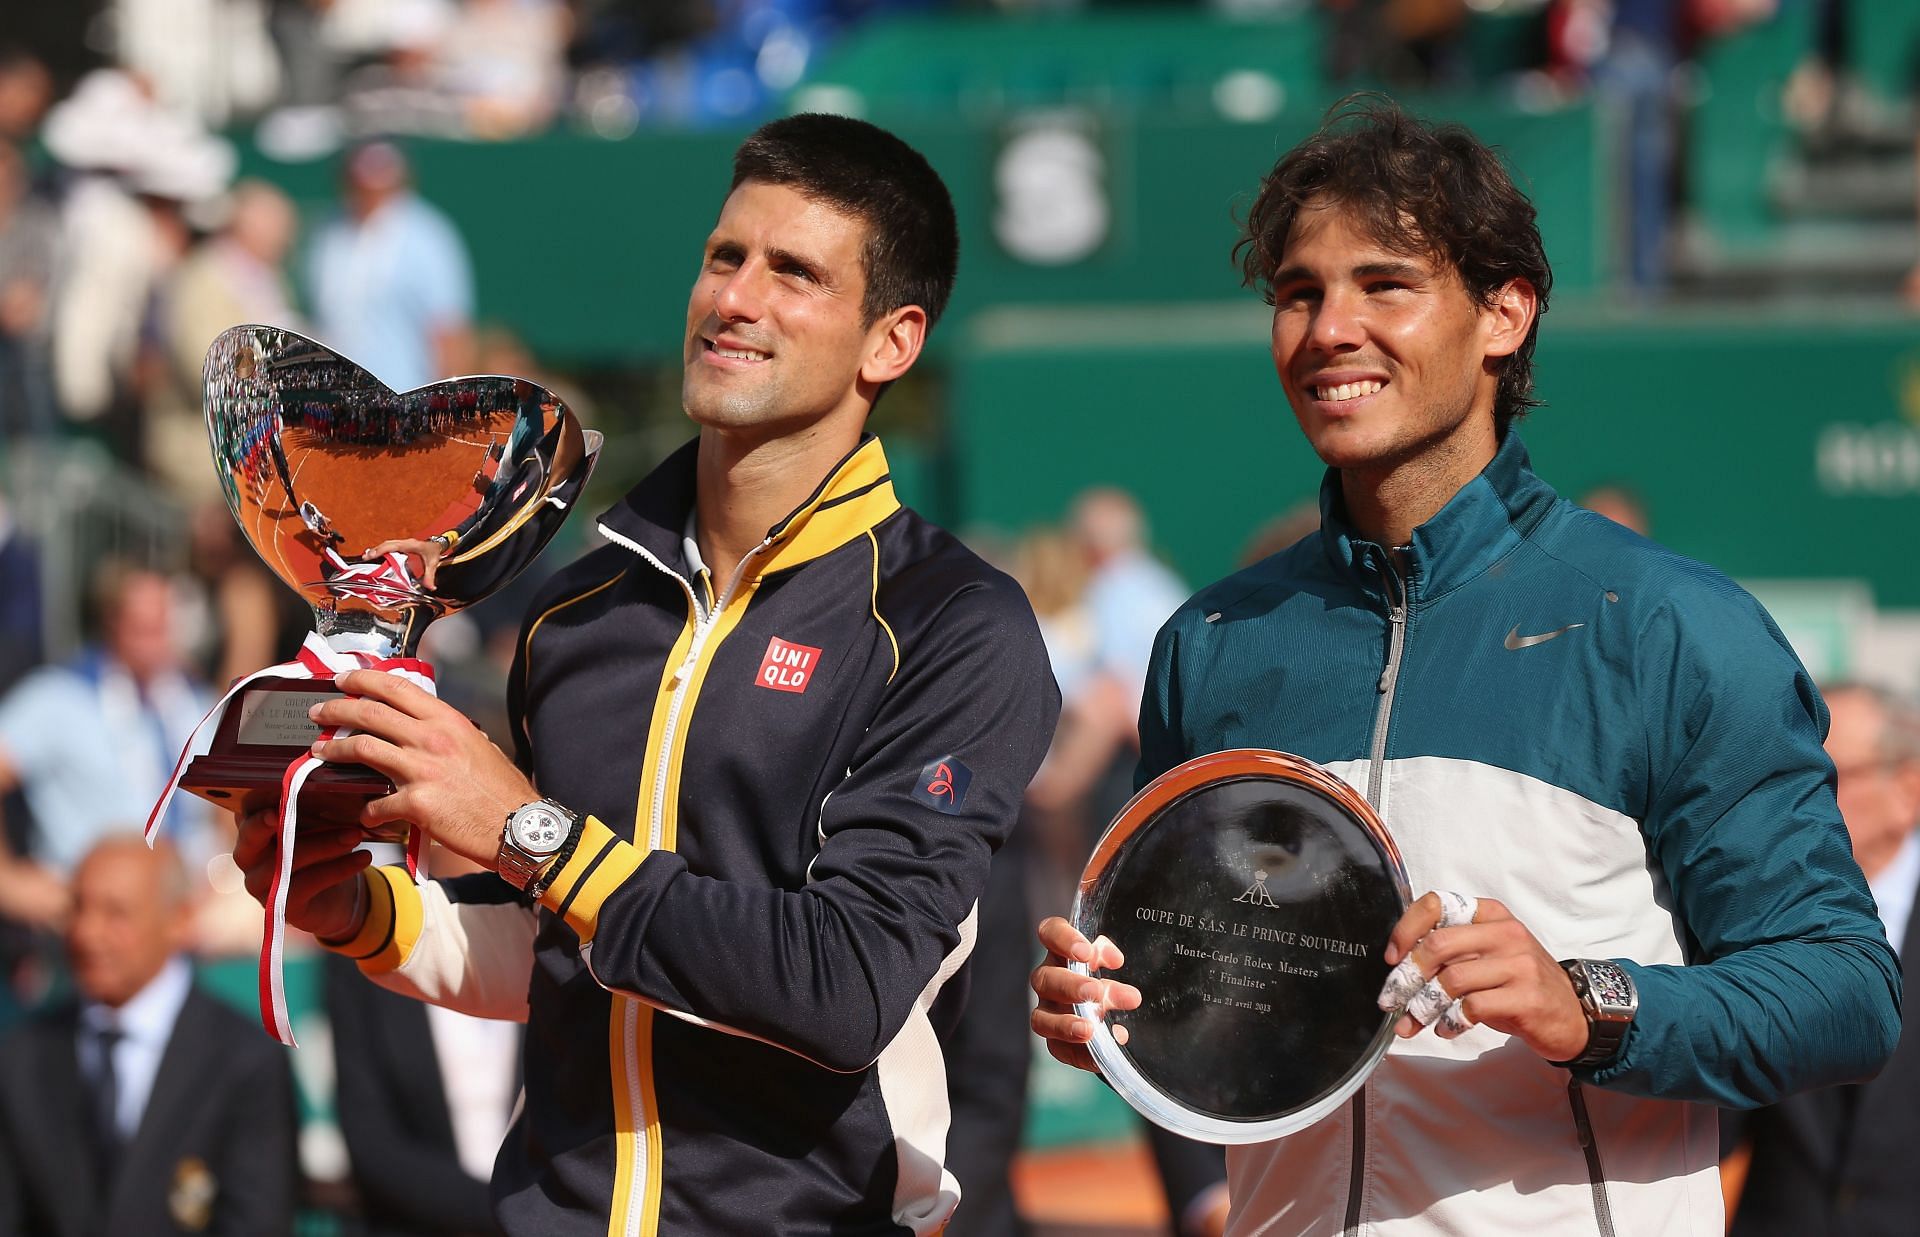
[1515,640]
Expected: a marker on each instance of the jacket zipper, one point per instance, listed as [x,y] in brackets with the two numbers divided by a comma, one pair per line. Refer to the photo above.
[1376,787]
[1596,1177]
[1389,681]
[704,619]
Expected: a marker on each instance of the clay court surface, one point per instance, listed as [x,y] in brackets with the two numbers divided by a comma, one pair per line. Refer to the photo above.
[372,493]
[1103,1190]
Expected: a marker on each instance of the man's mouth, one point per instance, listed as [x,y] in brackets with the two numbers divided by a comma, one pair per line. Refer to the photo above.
[1344,391]
[736,353]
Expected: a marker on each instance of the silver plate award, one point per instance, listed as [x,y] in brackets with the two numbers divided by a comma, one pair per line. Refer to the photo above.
[1252,894]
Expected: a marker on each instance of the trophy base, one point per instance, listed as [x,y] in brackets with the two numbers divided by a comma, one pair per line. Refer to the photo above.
[266,729]
[333,794]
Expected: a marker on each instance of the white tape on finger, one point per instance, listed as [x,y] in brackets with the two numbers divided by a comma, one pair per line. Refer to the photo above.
[1456,908]
[1402,983]
[1428,1003]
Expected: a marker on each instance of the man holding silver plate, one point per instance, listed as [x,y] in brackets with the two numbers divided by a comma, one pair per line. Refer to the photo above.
[1601,761]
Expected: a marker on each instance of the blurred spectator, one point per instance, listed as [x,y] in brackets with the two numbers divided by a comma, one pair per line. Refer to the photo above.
[1841,1160]
[1634,51]
[29,240]
[1050,566]
[146,1106]
[1097,716]
[476,68]
[209,59]
[391,284]
[424,1096]
[92,743]
[1129,592]
[1634,66]
[122,230]
[1619,504]
[26,90]
[503,61]
[233,277]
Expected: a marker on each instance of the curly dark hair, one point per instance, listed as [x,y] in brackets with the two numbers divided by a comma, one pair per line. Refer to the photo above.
[1417,188]
[913,242]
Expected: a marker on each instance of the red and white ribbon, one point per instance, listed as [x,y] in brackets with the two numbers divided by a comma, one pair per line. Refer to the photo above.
[316,660]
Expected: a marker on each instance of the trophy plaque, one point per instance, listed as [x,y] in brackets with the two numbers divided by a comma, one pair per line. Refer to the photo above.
[1252,894]
[383,510]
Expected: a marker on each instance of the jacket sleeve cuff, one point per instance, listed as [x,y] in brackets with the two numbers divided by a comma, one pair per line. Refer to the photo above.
[600,864]
[392,925]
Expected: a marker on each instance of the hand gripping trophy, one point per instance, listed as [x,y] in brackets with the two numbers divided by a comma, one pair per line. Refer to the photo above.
[384,510]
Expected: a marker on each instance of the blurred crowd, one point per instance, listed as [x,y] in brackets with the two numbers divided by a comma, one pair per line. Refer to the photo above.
[128,241]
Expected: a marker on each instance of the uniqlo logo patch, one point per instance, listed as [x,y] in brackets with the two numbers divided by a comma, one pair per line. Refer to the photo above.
[787,667]
[943,784]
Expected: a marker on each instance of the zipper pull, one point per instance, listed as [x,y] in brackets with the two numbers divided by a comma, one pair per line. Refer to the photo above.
[693,655]
[1396,617]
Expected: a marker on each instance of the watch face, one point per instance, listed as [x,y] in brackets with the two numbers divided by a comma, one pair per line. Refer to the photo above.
[1609,985]
[540,830]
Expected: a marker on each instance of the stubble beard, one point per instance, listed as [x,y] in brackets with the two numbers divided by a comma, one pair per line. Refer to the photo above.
[729,409]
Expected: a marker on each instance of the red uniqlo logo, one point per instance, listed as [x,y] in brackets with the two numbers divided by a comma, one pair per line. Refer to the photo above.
[787,667]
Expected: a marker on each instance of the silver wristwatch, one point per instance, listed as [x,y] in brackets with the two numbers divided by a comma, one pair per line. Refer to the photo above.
[532,835]
[1609,1000]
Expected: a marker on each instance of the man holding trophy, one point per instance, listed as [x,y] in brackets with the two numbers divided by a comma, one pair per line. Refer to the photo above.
[766,744]
[1602,759]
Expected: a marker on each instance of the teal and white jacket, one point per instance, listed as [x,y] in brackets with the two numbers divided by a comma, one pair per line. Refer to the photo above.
[1618,744]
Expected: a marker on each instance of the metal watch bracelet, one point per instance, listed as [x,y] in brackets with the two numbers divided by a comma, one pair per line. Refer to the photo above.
[544,877]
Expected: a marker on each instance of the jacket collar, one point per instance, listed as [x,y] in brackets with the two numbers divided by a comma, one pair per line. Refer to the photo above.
[856,495]
[1481,524]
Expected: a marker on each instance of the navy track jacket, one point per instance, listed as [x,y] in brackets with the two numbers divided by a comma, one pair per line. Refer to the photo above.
[796,776]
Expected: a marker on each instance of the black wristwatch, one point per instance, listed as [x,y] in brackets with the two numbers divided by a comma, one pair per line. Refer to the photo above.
[1609,1000]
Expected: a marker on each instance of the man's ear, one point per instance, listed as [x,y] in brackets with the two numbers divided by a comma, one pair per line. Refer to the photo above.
[1509,316]
[893,344]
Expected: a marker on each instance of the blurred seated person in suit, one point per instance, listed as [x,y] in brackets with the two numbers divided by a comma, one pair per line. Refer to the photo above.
[424,1097]
[1839,1161]
[145,1106]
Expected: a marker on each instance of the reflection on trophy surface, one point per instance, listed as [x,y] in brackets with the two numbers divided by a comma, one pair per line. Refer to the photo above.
[385,510]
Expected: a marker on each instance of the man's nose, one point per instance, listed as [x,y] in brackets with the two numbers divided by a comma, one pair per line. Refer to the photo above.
[1338,324]
[739,297]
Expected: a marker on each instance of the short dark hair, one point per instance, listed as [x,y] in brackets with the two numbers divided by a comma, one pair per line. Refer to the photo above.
[1417,188]
[913,241]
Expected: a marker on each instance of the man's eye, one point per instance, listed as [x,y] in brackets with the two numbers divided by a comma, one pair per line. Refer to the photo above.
[797,271]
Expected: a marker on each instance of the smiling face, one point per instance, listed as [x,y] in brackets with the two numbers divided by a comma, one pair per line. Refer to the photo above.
[1384,356]
[776,335]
